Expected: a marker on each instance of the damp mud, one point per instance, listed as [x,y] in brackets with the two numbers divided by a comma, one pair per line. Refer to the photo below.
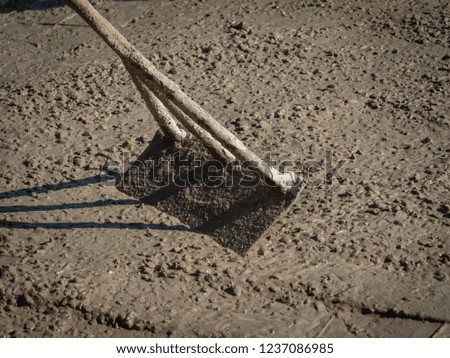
[353,95]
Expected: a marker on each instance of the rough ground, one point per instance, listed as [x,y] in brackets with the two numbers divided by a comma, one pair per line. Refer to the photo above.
[368,256]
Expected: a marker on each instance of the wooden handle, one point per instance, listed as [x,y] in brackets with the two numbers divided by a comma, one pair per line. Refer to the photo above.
[172,91]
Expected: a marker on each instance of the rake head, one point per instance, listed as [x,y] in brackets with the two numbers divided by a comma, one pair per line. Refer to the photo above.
[231,204]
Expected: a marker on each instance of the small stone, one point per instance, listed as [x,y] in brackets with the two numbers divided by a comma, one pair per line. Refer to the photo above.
[280,113]
[29,326]
[444,209]
[240,26]
[129,320]
[440,276]
[318,236]
[319,306]
[126,145]
[414,191]
[233,290]
[372,104]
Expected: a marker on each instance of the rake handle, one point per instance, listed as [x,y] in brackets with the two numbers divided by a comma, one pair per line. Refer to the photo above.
[129,54]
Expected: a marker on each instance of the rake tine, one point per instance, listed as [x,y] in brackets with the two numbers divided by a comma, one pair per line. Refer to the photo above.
[209,141]
[162,116]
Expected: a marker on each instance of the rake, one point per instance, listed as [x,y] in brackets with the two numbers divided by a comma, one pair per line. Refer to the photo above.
[194,168]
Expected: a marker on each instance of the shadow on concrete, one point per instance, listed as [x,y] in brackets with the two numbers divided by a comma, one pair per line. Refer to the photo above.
[74,225]
[22,5]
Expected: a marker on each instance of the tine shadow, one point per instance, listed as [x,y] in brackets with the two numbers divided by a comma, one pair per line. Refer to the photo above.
[22,5]
[61,186]
[88,225]
[74,225]
[99,203]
